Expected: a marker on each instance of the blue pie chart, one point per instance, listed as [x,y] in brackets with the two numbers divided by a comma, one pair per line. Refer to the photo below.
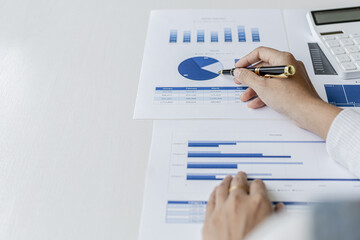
[200,68]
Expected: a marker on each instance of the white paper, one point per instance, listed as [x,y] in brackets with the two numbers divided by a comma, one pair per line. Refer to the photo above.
[174,204]
[167,89]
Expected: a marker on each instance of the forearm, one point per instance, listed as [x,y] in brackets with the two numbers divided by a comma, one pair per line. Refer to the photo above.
[315,115]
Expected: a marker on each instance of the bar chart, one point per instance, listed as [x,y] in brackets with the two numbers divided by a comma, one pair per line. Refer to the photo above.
[229,35]
[343,95]
[282,162]
[223,157]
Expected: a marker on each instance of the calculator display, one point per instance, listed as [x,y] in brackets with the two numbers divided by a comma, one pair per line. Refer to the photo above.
[336,16]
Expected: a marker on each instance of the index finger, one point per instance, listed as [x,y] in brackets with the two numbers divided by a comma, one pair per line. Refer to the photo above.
[222,191]
[210,204]
[264,54]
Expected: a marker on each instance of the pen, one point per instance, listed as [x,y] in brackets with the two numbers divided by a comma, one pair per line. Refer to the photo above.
[269,71]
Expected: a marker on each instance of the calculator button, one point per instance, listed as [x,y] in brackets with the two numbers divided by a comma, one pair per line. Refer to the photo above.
[329,37]
[343,36]
[337,50]
[355,35]
[333,43]
[357,40]
[343,58]
[352,49]
[347,42]
[355,56]
[348,66]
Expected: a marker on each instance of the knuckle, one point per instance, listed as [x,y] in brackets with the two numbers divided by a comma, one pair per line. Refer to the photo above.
[288,55]
[301,64]
[259,182]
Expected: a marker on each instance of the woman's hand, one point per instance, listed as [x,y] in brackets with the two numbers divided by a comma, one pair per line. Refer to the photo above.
[294,97]
[234,208]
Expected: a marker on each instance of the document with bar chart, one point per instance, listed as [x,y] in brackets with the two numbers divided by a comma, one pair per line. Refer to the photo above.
[185,50]
[189,158]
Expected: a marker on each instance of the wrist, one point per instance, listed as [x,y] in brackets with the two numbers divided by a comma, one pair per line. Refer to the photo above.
[315,115]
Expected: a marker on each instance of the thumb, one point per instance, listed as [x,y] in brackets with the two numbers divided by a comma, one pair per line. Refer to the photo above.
[279,207]
[248,78]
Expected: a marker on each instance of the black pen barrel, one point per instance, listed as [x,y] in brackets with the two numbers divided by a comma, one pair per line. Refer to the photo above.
[270,70]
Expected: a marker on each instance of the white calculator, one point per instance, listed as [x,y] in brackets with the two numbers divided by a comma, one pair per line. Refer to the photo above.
[337,32]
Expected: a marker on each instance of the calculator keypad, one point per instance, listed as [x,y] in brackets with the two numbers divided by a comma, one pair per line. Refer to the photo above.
[345,48]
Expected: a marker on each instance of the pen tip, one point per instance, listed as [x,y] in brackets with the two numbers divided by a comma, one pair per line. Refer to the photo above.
[220,72]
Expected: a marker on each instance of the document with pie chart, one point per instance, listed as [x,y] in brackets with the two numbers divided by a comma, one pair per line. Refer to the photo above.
[185,50]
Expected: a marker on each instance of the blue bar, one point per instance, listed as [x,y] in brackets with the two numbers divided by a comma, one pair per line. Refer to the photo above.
[173,36]
[200,36]
[209,144]
[214,36]
[187,37]
[212,165]
[188,202]
[255,34]
[308,179]
[201,88]
[227,35]
[211,155]
[241,34]
[213,176]
[236,60]
[234,165]
[233,155]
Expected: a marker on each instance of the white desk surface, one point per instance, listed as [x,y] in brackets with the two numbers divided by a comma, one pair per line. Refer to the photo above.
[72,160]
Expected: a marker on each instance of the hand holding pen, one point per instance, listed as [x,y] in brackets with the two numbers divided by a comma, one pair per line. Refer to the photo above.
[294,97]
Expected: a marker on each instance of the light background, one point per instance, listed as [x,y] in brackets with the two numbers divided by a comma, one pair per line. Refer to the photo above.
[72,160]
